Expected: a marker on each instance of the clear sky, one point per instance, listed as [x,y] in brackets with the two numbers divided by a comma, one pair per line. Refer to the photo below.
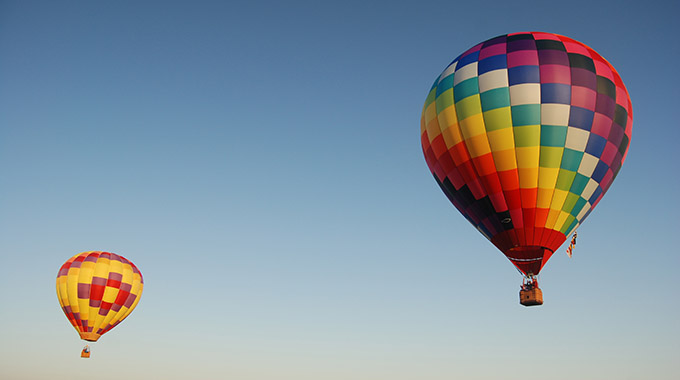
[260,163]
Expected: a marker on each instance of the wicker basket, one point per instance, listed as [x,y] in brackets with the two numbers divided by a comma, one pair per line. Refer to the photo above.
[531,297]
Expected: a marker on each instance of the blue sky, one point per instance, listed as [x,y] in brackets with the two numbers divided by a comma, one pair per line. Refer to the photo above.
[261,164]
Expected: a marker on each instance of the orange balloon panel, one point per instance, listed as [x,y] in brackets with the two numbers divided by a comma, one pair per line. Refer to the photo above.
[97,291]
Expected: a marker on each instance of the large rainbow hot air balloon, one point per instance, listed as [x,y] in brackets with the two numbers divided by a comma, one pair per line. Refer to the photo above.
[97,291]
[525,133]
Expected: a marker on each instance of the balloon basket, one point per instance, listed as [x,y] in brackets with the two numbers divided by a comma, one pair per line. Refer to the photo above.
[85,353]
[531,297]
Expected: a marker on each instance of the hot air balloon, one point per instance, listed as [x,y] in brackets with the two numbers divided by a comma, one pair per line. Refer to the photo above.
[97,291]
[525,133]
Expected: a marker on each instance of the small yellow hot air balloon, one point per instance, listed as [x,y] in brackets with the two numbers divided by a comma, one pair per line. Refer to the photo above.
[97,291]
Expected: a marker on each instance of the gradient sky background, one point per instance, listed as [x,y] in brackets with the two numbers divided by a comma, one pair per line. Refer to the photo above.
[260,163]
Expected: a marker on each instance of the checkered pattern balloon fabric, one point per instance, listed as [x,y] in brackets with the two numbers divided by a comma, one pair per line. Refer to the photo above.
[97,291]
[525,133]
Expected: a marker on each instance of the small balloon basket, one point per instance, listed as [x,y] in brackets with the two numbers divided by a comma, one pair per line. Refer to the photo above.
[530,294]
[85,353]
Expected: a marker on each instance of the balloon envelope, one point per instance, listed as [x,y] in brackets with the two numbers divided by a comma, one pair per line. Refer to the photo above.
[525,133]
[97,291]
